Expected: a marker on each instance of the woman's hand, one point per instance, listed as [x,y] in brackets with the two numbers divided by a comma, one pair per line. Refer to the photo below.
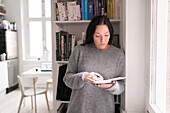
[106,85]
[92,77]
[95,77]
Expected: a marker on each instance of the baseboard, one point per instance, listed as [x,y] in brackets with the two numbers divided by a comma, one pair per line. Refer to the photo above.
[11,88]
[135,112]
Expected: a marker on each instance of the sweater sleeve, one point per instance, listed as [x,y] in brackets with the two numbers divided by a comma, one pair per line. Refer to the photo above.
[73,78]
[119,86]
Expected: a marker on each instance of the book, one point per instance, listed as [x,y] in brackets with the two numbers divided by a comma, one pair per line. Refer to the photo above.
[78,12]
[58,46]
[90,11]
[102,7]
[111,9]
[108,80]
[62,11]
[71,10]
[108,8]
[82,9]
[57,13]
[63,35]
[97,8]
[63,92]
[65,43]
[117,9]
[85,9]
[62,108]
[114,15]
[94,7]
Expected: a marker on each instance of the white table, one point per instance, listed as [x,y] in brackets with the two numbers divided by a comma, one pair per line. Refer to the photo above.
[43,76]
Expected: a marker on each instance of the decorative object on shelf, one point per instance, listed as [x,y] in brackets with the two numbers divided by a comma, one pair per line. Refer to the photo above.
[83,38]
[6,23]
[1,24]
[9,25]
[2,10]
[3,57]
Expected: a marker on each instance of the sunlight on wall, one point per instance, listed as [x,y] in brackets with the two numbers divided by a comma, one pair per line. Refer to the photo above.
[168,62]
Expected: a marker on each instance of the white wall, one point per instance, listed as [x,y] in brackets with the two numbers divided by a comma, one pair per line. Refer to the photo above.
[135,56]
[14,11]
[148,34]
[13,14]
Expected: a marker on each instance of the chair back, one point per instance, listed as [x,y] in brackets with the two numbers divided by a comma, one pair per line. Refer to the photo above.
[26,82]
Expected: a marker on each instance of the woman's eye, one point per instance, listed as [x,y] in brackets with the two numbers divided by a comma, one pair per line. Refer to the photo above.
[97,35]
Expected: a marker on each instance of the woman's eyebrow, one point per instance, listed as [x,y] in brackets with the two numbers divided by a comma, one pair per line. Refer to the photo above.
[107,32]
[97,33]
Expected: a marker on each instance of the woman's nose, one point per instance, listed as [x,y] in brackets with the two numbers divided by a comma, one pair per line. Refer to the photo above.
[102,38]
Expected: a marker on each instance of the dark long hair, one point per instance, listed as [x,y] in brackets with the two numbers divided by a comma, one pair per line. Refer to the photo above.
[97,20]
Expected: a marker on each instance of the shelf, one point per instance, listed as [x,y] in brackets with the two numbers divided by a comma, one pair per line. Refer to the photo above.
[62,62]
[62,101]
[2,14]
[83,21]
[1,5]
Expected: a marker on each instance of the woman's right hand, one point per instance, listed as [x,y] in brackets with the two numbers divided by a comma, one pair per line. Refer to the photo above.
[92,77]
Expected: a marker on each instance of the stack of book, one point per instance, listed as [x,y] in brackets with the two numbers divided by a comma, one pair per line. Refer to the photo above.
[62,108]
[87,9]
[63,92]
[65,43]
[67,11]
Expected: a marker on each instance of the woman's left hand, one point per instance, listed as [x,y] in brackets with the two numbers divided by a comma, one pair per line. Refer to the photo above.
[106,85]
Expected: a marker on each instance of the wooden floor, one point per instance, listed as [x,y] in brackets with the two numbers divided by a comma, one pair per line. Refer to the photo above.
[9,103]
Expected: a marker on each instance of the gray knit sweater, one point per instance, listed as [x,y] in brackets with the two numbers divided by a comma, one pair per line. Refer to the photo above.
[88,98]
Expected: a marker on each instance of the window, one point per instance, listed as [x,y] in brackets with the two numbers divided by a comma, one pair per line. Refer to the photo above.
[38,39]
[158,57]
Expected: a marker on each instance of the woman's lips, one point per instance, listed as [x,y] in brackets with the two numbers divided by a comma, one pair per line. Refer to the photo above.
[102,44]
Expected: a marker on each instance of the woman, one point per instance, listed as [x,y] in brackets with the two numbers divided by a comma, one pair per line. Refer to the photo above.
[96,56]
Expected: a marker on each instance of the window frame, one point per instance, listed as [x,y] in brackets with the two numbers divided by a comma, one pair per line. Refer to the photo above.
[43,19]
[158,16]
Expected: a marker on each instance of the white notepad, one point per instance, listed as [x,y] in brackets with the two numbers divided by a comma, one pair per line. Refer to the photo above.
[108,80]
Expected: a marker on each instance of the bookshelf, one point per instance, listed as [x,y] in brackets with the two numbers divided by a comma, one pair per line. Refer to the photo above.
[76,28]
[83,21]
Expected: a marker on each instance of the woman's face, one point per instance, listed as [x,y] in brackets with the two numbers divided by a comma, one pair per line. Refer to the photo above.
[101,37]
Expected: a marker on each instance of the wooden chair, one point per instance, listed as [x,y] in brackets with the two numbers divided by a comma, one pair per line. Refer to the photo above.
[28,89]
[48,82]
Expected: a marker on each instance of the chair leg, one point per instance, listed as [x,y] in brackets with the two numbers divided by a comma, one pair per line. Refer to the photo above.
[31,102]
[47,101]
[20,104]
[35,96]
[35,104]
